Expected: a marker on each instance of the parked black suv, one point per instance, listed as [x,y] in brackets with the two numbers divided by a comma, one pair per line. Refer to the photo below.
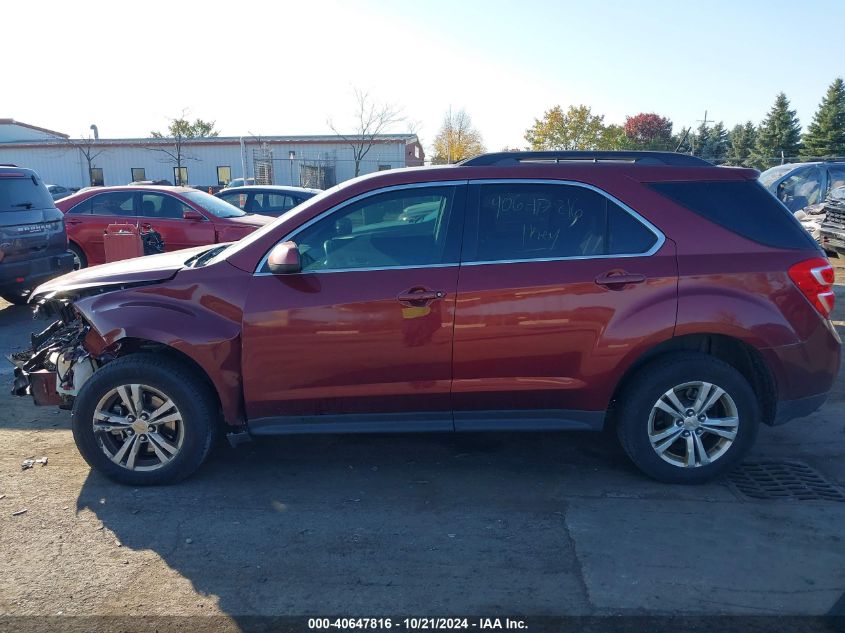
[33,242]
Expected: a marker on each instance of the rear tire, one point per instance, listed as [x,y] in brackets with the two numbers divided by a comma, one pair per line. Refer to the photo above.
[79,259]
[139,439]
[691,443]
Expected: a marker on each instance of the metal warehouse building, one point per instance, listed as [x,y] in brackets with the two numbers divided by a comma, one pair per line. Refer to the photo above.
[308,161]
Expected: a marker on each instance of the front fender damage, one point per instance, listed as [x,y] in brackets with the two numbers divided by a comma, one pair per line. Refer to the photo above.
[62,357]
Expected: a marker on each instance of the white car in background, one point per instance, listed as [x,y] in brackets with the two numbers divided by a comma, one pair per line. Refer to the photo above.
[57,192]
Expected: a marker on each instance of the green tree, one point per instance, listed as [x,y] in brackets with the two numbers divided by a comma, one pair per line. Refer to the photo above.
[825,137]
[699,138]
[576,129]
[613,137]
[172,141]
[741,144]
[715,145]
[779,136]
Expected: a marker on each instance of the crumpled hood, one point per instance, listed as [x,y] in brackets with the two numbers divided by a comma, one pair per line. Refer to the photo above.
[145,269]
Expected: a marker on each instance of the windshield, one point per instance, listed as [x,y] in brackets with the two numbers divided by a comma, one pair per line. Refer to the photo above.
[215,206]
[768,177]
[22,192]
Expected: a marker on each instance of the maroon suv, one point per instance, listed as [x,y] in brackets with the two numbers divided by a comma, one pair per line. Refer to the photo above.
[679,302]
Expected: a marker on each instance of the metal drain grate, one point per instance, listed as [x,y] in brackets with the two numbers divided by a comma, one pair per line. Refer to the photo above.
[787,480]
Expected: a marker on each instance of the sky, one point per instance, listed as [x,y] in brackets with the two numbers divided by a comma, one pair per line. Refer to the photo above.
[282,67]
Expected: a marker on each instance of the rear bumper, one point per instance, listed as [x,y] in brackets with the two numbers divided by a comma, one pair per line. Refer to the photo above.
[32,272]
[790,409]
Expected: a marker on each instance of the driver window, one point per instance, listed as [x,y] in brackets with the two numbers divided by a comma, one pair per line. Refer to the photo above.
[801,189]
[406,227]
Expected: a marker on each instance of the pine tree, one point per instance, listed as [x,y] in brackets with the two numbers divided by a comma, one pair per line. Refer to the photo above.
[825,137]
[699,139]
[741,141]
[779,135]
[716,145]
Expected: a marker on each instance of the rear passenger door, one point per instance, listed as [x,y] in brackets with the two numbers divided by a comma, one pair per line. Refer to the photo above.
[560,286]
[88,220]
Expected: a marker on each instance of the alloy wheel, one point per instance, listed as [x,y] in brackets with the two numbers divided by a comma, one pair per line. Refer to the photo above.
[138,427]
[693,424]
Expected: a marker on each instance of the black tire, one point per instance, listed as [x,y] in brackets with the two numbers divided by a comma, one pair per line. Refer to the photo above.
[639,396]
[77,252]
[19,298]
[192,396]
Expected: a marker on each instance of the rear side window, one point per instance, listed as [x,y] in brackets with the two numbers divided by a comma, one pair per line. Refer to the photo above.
[119,203]
[741,206]
[19,193]
[524,221]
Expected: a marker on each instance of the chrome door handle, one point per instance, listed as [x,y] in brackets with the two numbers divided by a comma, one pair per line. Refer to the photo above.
[420,296]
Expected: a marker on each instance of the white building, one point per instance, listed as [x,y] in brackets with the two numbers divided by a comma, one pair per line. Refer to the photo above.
[312,161]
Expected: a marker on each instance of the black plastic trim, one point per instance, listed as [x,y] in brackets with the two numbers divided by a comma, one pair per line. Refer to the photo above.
[801,407]
[672,159]
[436,421]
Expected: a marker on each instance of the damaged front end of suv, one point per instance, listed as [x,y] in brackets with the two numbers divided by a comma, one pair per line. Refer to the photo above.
[64,355]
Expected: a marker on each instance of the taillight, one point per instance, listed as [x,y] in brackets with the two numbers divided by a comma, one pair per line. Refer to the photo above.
[815,277]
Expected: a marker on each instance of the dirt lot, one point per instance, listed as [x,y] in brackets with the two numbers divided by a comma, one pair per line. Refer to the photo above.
[489,524]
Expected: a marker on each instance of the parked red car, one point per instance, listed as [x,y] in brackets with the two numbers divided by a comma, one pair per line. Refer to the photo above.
[183,216]
[678,302]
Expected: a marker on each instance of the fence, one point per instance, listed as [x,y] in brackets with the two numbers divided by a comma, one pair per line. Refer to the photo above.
[317,172]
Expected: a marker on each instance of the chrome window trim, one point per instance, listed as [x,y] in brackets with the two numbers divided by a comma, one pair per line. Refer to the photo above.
[370,269]
[416,185]
[661,238]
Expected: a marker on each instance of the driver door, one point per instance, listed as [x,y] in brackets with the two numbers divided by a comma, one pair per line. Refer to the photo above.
[361,339]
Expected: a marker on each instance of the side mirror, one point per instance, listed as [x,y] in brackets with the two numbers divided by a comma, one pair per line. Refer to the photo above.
[284,259]
[190,214]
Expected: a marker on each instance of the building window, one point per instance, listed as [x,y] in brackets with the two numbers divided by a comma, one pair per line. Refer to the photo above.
[224,175]
[97,179]
[383,167]
[180,176]
[138,174]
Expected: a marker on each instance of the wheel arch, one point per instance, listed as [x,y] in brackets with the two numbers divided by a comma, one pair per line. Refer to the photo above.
[73,243]
[740,355]
[133,320]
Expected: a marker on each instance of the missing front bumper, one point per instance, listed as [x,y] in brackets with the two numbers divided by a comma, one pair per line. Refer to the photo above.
[40,384]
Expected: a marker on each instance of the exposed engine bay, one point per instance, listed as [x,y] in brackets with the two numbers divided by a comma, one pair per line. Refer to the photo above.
[58,362]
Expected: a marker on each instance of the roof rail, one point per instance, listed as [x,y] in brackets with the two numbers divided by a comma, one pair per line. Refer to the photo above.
[640,158]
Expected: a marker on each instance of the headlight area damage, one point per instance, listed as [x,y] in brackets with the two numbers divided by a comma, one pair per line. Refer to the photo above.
[61,358]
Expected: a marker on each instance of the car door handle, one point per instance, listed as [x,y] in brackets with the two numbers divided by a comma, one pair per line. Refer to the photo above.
[617,279]
[72,221]
[420,296]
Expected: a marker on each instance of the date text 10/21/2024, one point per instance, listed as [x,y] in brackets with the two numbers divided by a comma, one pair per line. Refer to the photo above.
[421,623]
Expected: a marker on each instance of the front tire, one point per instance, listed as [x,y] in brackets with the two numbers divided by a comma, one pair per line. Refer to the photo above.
[687,418]
[145,420]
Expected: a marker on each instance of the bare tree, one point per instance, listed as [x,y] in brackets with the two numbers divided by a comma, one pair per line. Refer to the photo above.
[180,131]
[372,119]
[90,150]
